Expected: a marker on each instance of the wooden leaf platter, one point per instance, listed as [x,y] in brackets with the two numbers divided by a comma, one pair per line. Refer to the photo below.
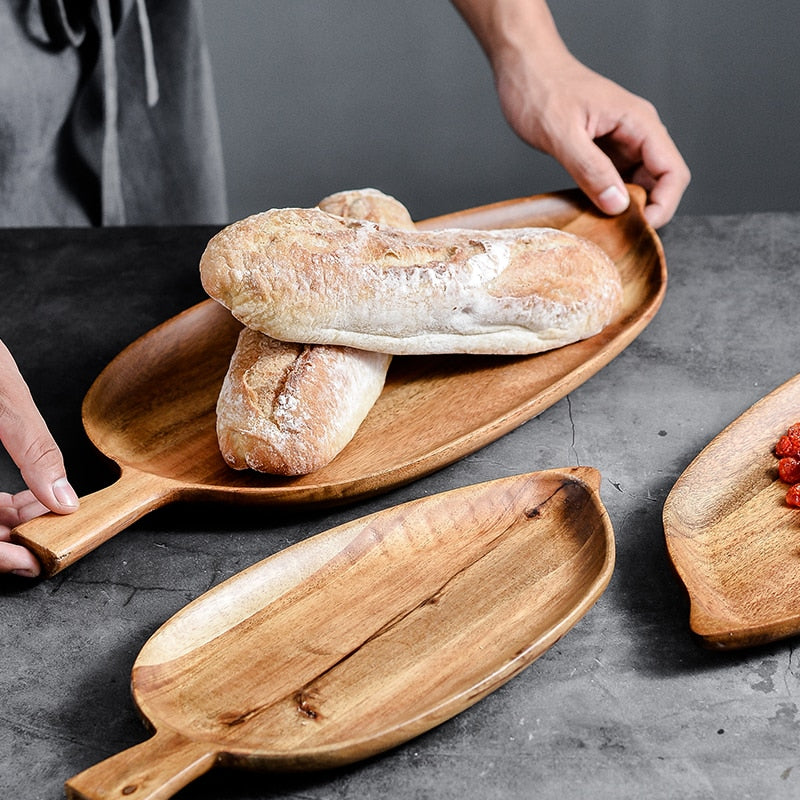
[731,536]
[357,639]
[152,410]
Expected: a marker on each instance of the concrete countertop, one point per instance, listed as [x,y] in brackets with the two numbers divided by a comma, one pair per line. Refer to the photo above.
[626,705]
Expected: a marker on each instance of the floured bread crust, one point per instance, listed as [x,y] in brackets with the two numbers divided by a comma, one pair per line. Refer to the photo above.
[309,276]
[289,409]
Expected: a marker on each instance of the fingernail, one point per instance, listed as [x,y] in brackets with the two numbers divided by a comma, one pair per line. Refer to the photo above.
[613,201]
[65,494]
[24,573]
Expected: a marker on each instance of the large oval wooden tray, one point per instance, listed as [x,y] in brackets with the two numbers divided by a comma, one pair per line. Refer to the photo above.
[731,537]
[152,410]
[353,641]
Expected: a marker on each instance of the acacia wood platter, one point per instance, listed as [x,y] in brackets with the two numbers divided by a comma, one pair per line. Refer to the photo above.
[732,538]
[361,637]
[152,409]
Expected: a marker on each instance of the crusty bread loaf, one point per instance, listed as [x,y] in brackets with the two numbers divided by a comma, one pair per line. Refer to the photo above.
[305,275]
[289,409]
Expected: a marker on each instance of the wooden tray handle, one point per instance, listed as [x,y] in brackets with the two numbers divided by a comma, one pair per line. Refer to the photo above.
[153,770]
[60,540]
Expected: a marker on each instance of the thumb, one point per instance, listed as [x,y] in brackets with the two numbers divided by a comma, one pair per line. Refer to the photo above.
[42,468]
[595,174]
[24,434]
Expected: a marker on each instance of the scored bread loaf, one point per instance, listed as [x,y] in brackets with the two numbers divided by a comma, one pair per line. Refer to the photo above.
[287,408]
[305,275]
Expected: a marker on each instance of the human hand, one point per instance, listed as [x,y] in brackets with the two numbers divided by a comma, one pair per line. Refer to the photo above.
[28,441]
[600,133]
[603,135]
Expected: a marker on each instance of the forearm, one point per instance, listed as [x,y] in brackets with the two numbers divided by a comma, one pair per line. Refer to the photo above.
[513,29]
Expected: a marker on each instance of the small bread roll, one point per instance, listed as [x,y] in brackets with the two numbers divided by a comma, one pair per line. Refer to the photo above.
[305,275]
[368,204]
[289,409]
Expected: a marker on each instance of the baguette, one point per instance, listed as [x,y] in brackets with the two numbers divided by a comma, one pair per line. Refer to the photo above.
[289,409]
[305,275]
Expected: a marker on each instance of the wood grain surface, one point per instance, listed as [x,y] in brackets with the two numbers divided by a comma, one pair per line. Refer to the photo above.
[357,639]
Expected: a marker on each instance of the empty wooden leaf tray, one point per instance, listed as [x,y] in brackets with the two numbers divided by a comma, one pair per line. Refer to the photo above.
[357,639]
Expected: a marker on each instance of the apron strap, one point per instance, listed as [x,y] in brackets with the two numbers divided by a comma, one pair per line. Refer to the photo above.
[65,24]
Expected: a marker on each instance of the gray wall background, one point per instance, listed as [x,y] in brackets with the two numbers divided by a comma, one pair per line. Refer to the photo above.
[317,96]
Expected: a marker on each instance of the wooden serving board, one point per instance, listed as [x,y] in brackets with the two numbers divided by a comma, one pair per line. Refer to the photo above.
[355,640]
[731,536]
[152,410]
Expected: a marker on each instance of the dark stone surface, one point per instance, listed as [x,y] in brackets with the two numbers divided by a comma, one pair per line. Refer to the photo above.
[626,705]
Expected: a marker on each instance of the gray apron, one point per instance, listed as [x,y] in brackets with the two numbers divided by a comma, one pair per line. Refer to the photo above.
[107,115]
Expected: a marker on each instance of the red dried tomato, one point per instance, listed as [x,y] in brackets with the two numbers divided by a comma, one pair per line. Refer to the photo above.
[788,445]
[793,496]
[788,450]
[789,469]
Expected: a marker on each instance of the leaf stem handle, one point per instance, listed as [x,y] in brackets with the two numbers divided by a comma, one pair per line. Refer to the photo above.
[154,770]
